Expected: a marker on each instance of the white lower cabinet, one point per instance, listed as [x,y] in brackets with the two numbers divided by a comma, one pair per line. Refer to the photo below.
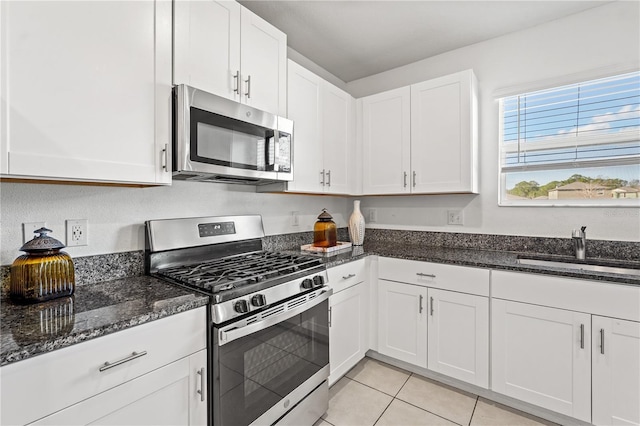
[144,375]
[616,371]
[542,355]
[435,316]
[167,396]
[348,317]
[402,322]
[458,336]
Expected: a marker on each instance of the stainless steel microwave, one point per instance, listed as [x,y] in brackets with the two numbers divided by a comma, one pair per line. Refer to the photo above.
[219,140]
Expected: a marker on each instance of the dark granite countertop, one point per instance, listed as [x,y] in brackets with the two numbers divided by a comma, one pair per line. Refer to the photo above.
[94,310]
[501,260]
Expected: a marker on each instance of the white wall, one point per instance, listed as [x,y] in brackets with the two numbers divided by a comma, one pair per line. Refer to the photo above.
[116,215]
[553,53]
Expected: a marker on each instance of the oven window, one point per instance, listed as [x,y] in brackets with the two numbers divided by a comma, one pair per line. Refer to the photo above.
[227,142]
[257,371]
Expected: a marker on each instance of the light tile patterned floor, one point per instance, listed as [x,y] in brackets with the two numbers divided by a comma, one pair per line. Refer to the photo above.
[375,393]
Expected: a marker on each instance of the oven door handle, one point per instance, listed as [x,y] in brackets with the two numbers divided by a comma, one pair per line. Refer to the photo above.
[227,336]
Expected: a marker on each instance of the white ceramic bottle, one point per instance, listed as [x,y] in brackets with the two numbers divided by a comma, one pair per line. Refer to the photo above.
[356,225]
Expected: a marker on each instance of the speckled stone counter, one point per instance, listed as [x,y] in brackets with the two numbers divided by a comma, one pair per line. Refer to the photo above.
[94,310]
[477,250]
[502,260]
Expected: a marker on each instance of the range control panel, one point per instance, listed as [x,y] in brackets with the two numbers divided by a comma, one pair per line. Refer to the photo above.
[215,229]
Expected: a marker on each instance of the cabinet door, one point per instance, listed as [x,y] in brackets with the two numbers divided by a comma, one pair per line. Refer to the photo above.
[263,62]
[542,356]
[198,391]
[304,110]
[337,111]
[616,371]
[348,329]
[458,331]
[386,139]
[402,322]
[443,135]
[207,46]
[94,107]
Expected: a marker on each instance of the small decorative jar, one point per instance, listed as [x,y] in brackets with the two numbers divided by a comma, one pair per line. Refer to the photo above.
[43,273]
[325,232]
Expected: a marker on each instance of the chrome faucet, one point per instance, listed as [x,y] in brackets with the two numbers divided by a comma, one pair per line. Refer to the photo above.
[579,238]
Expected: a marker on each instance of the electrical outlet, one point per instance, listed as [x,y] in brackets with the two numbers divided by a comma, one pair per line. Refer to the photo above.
[28,229]
[295,218]
[77,232]
[455,217]
[373,215]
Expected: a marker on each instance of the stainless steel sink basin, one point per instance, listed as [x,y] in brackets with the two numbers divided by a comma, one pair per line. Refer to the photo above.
[594,265]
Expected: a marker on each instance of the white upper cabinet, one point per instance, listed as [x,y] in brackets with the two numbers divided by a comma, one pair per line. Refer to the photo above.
[263,64]
[422,139]
[323,127]
[207,46]
[86,91]
[223,48]
[386,136]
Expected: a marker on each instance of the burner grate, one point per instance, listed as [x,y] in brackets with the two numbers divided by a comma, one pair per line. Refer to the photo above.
[218,275]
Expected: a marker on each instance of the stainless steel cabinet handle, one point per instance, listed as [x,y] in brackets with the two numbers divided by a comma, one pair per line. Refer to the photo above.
[165,158]
[248,81]
[420,304]
[414,179]
[202,383]
[431,301]
[348,276]
[322,174]
[236,82]
[405,179]
[330,311]
[328,177]
[107,365]
[581,336]
[420,274]
[602,341]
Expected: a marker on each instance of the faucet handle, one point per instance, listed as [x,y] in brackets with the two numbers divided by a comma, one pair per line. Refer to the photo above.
[579,233]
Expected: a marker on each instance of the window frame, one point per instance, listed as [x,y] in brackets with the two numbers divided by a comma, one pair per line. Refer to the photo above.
[579,141]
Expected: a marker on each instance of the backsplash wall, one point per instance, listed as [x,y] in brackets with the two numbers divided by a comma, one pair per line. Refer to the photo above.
[116,215]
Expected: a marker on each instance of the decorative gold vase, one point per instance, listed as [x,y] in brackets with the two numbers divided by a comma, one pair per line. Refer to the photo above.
[43,273]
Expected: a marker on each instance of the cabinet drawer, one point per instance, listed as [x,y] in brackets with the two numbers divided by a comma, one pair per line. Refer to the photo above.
[595,297]
[345,275]
[38,386]
[435,275]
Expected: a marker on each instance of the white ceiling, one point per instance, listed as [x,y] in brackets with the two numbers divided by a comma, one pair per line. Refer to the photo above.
[359,38]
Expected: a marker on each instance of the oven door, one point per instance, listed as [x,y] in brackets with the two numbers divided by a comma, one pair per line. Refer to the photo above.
[265,364]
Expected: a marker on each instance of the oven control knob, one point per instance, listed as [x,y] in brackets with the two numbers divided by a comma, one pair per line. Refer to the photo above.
[307,283]
[241,306]
[318,281]
[258,300]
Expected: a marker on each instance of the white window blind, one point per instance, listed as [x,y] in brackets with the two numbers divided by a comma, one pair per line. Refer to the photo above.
[593,125]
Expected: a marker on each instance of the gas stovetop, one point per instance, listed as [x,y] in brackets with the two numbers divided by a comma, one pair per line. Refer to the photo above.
[233,272]
[223,257]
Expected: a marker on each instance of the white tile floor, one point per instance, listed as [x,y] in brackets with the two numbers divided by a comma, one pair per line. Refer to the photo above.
[375,393]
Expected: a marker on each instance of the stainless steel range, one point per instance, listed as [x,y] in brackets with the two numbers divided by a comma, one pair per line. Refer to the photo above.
[269,326]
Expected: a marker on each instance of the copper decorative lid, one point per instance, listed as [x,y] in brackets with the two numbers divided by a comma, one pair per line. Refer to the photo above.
[325,216]
[42,243]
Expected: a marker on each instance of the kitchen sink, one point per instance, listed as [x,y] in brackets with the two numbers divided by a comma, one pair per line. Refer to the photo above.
[594,265]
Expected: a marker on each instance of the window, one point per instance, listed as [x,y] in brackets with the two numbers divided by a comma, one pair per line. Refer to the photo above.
[572,145]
